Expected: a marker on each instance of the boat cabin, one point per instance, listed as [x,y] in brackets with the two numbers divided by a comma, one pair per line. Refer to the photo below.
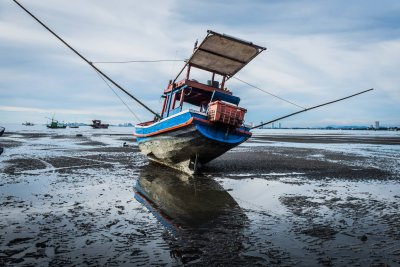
[222,56]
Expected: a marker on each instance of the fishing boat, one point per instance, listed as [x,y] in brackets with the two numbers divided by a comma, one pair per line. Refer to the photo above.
[2,129]
[73,125]
[186,138]
[27,123]
[54,124]
[96,124]
[199,121]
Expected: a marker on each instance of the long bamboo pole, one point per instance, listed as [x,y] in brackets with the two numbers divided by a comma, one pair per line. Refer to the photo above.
[87,61]
[307,109]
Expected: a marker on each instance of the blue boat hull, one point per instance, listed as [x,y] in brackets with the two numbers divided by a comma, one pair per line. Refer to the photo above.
[187,140]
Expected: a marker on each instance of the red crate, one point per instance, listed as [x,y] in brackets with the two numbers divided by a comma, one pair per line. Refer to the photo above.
[226,113]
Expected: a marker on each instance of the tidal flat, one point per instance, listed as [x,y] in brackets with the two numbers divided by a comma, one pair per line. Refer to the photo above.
[284,198]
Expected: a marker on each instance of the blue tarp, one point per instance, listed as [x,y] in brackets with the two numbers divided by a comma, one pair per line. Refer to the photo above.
[225,97]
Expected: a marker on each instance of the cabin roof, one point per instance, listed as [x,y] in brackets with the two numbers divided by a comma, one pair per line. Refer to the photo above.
[197,93]
[223,54]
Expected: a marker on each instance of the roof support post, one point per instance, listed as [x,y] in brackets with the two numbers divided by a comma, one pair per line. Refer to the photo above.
[168,108]
[164,106]
[182,97]
[188,72]
[173,101]
[223,82]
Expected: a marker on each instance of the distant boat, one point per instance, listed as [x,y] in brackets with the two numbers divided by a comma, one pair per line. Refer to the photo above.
[1,133]
[54,124]
[73,125]
[28,123]
[98,125]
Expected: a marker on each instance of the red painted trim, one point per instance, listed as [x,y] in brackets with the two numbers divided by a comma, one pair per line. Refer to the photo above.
[182,97]
[173,102]
[244,132]
[210,123]
[164,105]
[167,129]
[202,120]
[188,122]
[198,85]
[146,123]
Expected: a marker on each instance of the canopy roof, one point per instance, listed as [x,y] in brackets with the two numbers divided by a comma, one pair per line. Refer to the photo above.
[223,54]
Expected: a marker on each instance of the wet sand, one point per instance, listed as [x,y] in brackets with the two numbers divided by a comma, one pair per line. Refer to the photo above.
[277,200]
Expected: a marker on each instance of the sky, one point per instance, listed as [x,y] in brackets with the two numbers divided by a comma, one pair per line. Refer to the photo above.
[317,51]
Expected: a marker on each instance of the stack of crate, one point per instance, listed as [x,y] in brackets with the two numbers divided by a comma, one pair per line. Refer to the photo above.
[226,113]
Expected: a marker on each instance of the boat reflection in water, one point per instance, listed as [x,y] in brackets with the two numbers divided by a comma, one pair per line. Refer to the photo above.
[204,222]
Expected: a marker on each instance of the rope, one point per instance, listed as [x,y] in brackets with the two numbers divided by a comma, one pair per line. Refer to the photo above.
[109,86]
[87,61]
[138,61]
[307,109]
[287,101]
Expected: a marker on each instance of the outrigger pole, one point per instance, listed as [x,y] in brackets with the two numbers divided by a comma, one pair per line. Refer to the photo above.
[87,61]
[307,109]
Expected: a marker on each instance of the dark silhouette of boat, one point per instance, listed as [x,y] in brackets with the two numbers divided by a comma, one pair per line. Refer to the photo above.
[54,124]
[98,125]
[2,129]
[28,123]
[186,206]
[73,125]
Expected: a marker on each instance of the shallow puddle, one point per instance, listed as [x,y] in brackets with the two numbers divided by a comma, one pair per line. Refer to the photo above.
[90,200]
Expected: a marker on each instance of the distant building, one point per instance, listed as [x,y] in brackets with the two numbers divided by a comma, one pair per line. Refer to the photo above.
[376,124]
[272,126]
[279,125]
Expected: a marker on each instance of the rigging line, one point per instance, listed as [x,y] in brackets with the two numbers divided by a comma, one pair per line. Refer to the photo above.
[269,93]
[109,86]
[87,61]
[173,65]
[138,61]
[307,109]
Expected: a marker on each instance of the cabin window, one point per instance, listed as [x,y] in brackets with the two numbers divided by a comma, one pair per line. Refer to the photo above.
[186,106]
[173,104]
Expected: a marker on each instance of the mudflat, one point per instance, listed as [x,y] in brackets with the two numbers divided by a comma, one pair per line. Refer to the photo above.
[280,199]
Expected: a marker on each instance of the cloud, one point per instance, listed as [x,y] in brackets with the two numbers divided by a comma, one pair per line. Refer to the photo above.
[110,112]
[316,52]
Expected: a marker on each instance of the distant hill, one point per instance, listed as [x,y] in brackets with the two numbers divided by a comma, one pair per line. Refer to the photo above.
[347,127]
